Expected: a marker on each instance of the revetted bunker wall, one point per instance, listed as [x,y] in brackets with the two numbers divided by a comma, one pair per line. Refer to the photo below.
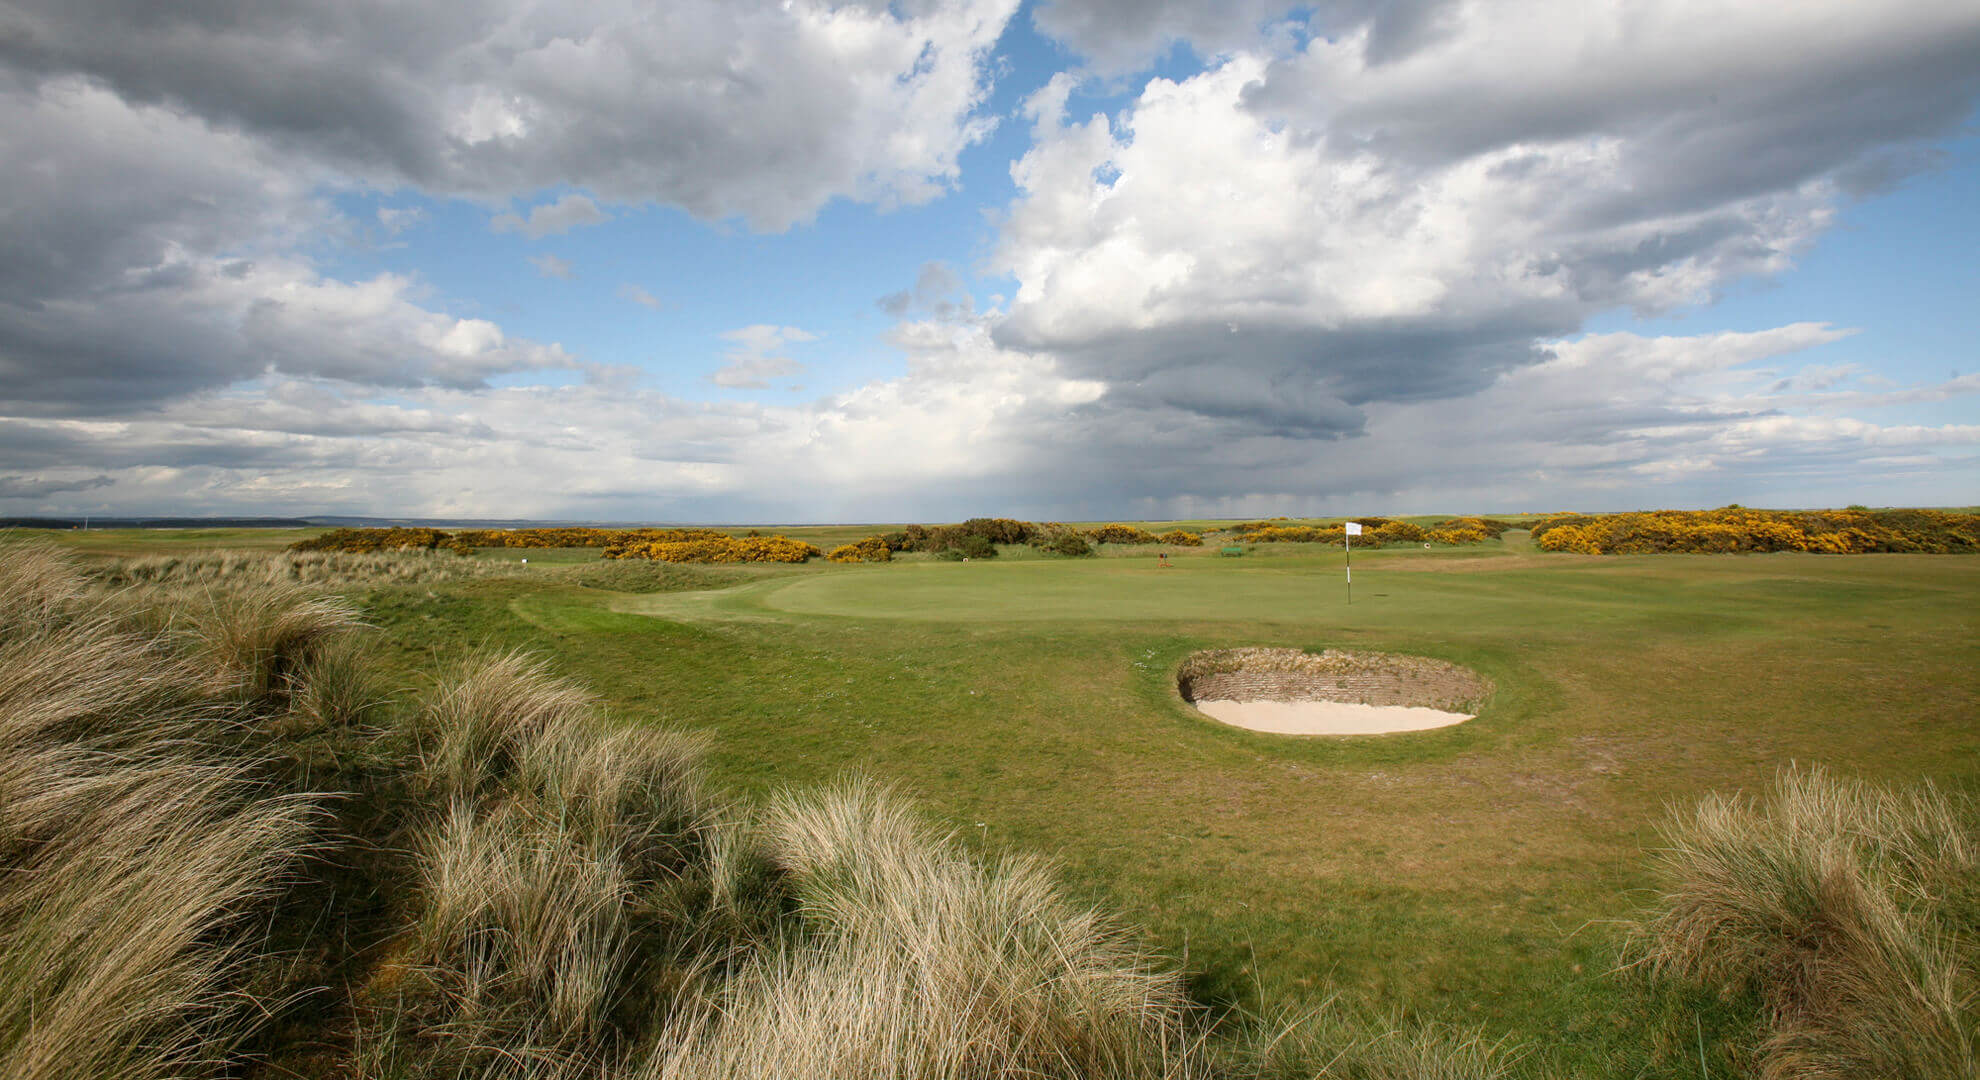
[1333,675]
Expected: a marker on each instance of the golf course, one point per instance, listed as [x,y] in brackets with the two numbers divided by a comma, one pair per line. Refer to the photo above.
[1484,875]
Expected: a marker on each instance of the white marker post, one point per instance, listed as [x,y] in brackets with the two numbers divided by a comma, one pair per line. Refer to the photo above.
[1352,529]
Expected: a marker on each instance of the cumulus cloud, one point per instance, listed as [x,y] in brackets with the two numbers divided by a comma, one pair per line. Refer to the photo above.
[397,219]
[1120,36]
[1344,267]
[117,295]
[552,219]
[752,362]
[762,108]
[1300,232]
[938,292]
[973,427]
[551,266]
[640,296]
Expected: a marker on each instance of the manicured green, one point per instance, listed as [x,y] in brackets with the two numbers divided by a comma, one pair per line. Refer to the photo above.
[1478,874]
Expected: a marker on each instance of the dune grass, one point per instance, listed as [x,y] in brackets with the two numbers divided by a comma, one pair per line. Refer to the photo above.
[1851,911]
[139,845]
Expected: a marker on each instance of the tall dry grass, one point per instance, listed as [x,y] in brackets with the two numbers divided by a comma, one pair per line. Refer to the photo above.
[558,879]
[321,569]
[130,941]
[136,855]
[914,960]
[1850,910]
[255,642]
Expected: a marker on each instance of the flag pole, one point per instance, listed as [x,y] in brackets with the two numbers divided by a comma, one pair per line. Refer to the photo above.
[1349,531]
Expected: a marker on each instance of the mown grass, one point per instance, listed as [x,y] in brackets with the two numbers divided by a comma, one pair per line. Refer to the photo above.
[1481,877]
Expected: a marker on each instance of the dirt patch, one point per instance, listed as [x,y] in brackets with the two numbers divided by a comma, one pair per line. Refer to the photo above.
[1329,693]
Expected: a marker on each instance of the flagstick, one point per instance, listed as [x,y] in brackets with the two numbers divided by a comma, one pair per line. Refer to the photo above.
[1348,540]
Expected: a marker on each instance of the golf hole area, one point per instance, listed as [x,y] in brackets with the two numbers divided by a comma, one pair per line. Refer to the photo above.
[1336,692]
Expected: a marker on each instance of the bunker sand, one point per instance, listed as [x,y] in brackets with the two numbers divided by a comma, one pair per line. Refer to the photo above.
[1328,717]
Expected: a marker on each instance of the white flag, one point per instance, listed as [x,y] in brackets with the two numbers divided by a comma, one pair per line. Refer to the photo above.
[1354,528]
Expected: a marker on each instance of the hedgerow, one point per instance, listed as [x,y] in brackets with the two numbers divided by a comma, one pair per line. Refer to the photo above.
[1738,529]
[871,549]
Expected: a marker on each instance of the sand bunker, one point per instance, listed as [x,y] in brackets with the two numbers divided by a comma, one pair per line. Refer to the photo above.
[1290,692]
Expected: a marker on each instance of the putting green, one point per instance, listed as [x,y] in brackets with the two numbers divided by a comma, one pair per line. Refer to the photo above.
[1101,589]
[1397,591]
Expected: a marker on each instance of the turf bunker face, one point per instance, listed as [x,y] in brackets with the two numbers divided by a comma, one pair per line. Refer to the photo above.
[1289,692]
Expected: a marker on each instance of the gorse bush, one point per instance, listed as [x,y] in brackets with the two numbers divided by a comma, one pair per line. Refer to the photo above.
[1491,527]
[1067,543]
[1180,538]
[999,530]
[973,538]
[1122,534]
[1376,532]
[367,541]
[1852,912]
[717,549]
[464,541]
[1737,529]
[576,537]
[871,549]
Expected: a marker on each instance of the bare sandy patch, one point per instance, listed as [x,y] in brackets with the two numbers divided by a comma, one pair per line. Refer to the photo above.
[1328,717]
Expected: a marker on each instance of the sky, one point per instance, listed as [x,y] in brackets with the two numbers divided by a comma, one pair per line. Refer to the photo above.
[796,261]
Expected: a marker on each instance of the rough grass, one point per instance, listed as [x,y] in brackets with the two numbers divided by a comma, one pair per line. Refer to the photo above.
[1848,909]
[256,642]
[916,960]
[323,569]
[135,851]
[1335,1042]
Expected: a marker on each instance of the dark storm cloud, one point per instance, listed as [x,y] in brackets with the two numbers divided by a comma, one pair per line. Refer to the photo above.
[167,164]
[723,108]
[30,487]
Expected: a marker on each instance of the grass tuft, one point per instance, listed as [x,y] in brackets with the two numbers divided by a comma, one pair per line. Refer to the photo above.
[1848,909]
[256,641]
[914,960]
